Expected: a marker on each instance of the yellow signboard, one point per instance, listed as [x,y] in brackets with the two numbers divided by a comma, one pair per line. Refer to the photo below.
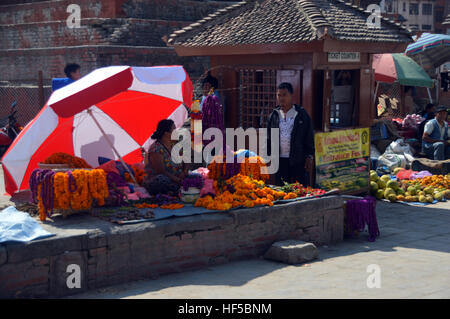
[341,145]
[342,159]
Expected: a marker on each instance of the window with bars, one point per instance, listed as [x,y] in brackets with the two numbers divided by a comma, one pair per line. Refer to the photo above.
[427,9]
[257,96]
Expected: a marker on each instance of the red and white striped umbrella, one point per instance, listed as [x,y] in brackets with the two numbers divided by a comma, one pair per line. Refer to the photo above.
[124,102]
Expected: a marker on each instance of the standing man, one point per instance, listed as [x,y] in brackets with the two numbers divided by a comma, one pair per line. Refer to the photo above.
[296,138]
[435,140]
[72,71]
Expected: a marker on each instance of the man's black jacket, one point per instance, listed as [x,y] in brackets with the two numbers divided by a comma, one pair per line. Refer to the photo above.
[302,136]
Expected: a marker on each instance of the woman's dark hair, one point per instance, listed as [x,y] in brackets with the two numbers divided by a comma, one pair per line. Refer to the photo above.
[286,86]
[163,127]
[70,68]
[211,80]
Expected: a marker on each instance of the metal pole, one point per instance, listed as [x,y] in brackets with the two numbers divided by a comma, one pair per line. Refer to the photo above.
[429,95]
[89,111]
[375,95]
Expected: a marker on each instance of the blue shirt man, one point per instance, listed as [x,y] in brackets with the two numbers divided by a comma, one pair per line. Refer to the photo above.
[72,71]
[435,140]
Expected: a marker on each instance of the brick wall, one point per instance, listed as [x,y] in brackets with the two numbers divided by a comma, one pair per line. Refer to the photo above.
[23,65]
[46,11]
[113,255]
[133,32]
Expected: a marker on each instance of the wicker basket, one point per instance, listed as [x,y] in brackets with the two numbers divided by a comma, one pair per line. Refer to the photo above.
[60,167]
[53,166]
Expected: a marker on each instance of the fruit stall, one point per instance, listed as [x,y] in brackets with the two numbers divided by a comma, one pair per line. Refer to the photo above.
[407,186]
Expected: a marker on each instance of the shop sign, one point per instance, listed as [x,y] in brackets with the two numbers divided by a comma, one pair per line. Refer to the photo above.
[342,160]
[344,57]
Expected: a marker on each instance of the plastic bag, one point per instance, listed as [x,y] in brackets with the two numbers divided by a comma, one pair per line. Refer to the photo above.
[374,152]
[399,147]
[19,226]
[405,174]
[392,161]
[421,174]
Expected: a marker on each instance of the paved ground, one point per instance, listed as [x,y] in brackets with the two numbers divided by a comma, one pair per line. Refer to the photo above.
[413,255]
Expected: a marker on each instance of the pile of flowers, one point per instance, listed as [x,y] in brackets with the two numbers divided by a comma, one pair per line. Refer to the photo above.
[138,173]
[192,180]
[75,190]
[253,166]
[240,190]
[300,191]
[64,158]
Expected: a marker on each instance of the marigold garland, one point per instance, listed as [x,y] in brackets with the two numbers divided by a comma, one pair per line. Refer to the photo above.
[64,158]
[254,167]
[68,190]
[172,206]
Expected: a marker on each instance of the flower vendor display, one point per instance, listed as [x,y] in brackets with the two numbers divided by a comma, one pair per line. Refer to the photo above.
[190,188]
[139,174]
[76,190]
[63,158]
[253,166]
[239,190]
[219,169]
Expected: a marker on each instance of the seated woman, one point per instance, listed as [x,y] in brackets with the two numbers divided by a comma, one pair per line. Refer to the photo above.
[163,175]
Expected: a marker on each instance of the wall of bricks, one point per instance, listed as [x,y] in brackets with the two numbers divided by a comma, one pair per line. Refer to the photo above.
[22,66]
[46,11]
[117,255]
[133,32]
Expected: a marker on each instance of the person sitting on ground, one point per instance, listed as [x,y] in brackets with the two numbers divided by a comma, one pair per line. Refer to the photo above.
[72,71]
[163,175]
[435,139]
[428,115]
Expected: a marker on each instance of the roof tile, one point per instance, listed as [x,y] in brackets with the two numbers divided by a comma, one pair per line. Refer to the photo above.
[286,21]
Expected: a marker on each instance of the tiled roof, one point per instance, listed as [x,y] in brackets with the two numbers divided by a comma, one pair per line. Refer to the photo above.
[287,21]
[447,20]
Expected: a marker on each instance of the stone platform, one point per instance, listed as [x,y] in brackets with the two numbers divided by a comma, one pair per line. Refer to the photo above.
[109,254]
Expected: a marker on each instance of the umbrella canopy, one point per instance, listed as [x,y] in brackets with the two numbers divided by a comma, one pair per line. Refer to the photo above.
[397,67]
[124,102]
[430,50]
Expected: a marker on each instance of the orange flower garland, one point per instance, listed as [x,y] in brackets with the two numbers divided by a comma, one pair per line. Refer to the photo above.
[254,167]
[172,206]
[139,174]
[63,158]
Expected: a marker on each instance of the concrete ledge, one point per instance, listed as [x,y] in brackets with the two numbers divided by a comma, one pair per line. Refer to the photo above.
[109,254]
